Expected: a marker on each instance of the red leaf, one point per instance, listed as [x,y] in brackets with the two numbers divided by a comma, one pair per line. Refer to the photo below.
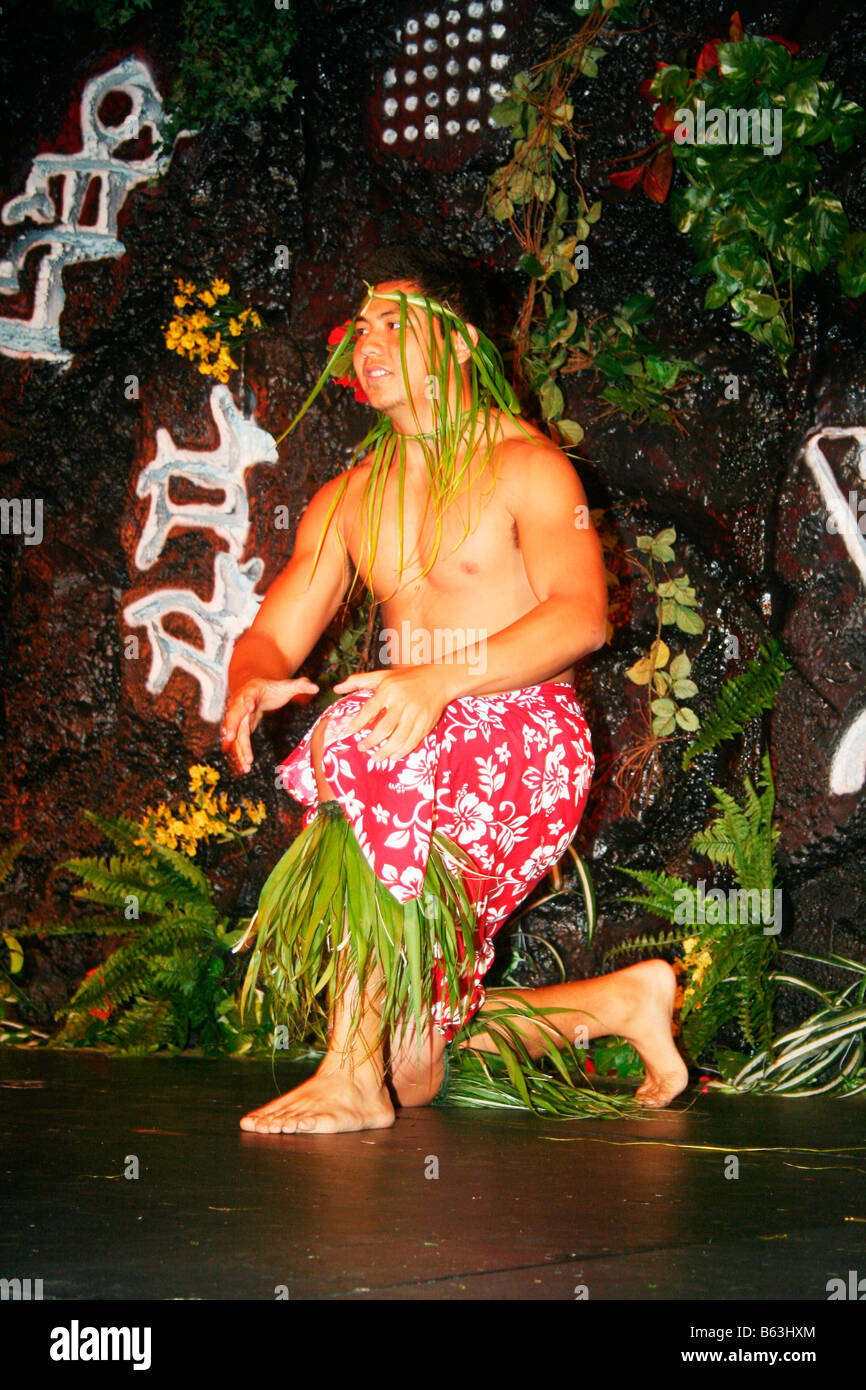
[737,30]
[664,119]
[658,175]
[786,43]
[627,178]
[644,91]
[708,56]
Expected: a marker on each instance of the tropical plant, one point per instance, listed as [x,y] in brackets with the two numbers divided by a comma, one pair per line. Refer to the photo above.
[740,698]
[668,687]
[11,964]
[209,330]
[727,960]
[233,56]
[174,975]
[824,1054]
[532,193]
[756,213]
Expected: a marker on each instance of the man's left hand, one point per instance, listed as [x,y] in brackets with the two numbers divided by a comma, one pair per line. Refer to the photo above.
[408,702]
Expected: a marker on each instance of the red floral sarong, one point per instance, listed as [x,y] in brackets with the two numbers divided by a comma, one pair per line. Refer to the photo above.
[505,776]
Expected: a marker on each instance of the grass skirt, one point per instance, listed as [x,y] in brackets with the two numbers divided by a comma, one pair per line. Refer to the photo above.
[323,906]
[323,892]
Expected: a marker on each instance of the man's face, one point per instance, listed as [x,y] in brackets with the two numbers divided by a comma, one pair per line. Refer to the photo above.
[377,360]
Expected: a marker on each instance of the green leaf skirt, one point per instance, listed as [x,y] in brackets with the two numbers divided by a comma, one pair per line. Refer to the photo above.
[326,921]
[329,930]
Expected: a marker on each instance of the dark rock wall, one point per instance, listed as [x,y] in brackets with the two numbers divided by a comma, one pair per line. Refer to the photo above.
[79,726]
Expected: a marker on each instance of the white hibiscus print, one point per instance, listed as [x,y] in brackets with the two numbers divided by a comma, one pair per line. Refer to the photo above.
[472,816]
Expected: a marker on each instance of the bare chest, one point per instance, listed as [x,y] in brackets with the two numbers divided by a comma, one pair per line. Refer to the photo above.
[473,545]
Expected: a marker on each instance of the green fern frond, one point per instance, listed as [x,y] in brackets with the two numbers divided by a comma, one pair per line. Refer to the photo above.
[740,699]
[178,869]
[88,925]
[115,881]
[122,831]
[661,941]
[664,892]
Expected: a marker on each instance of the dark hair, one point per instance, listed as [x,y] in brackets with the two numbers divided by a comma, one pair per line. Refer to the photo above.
[452,280]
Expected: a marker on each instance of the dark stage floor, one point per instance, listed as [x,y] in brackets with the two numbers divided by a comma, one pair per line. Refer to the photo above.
[521,1208]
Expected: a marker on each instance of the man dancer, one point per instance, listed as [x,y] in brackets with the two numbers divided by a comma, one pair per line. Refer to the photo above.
[480,534]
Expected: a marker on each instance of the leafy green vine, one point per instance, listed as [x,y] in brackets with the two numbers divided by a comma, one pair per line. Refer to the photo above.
[743,127]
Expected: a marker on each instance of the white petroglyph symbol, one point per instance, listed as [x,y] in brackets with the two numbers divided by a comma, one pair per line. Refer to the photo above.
[243,444]
[67,238]
[221,621]
[234,605]
[848,768]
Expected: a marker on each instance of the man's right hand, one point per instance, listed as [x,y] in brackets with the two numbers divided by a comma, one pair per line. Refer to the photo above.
[245,709]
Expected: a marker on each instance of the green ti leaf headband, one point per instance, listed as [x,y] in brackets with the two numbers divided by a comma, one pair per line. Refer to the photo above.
[442,446]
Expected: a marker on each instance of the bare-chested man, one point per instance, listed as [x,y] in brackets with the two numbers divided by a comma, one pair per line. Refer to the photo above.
[523,574]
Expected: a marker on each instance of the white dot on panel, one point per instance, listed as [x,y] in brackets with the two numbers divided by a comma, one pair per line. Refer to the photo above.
[452,127]
[452,17]
[411,49]
[475,36]
[497,5]
[474,94]
[475,11]
[410,103]
[431,20]
[452,40]
[430,72]
[432,99]
[497,91]
[452,96]
[410,77]
[411,26]
[431,128]
[452,67]
[498,61]
[390,77]
[390,106]
[497,30]
[474,64]
[430,45]
[389,136]
[472,124]
[411,132]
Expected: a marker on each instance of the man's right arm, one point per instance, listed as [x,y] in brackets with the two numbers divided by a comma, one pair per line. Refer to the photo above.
[299,604]
[294,613]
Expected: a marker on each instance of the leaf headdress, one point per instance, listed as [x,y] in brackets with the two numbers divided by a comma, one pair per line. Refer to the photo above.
[459,427]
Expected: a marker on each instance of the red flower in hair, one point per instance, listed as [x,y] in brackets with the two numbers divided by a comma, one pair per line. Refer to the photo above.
[334,337]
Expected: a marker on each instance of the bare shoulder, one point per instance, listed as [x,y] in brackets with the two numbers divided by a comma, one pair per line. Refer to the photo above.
[527,464]
[338,499]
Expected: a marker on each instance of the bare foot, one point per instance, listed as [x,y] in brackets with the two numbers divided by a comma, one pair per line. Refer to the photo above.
[330,1102]
[648,1028]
